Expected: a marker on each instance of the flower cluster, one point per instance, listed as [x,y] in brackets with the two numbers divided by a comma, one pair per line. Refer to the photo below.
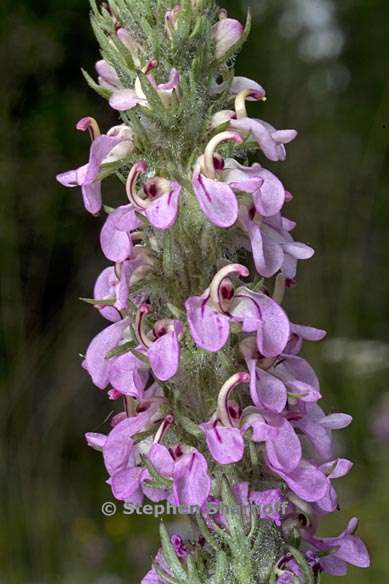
[219,404]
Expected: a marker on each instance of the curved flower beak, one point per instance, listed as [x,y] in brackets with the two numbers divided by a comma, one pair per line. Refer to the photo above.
[89,124]
[221,289]
[243,83]
[133,196]
[216,198]
[162,202]
[223,411]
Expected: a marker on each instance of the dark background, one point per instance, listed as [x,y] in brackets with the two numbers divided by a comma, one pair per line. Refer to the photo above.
[324,64]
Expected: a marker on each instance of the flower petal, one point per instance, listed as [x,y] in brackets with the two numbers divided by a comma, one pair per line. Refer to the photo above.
[268,254]
[209,329]
[225,444]
[192,483]
[284,451]
[124,99]
[95,362]
[126,485]
[269,199]
[336,421]
[91,195]
[164,356]
[266,390]
[216,199]
[95,440]
[128,375]
[162,213]
[308,482]
[273,331]
[100,149]
[116,244]
[226,33]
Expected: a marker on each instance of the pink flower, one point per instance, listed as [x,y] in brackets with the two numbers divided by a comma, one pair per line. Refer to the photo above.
[227,32]
[96,362]
[121,454]
[223,435]
[124,99]
[216,198]
[161,345]
[161,200]
[115,238]
[188,471]
[271,141]
[342,550]
[272,245]
[114,283]
[105,149]
[210,315]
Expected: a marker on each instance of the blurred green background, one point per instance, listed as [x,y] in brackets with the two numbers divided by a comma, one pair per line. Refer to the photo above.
[324,64]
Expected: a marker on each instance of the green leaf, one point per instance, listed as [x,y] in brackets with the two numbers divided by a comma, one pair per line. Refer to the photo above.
[124,53]
[171,557]
[151,94]
[164,577]
[221,567]
[302,563]
[161,480]
[176,312]
[106,93]
[294,538]
[151,36]
[205,532]
[258,284]
[131,118]
[234,519]
[188,425]
[154,484]
[193,574]
[266,549]
[120,350]
[140,356]
[94,302]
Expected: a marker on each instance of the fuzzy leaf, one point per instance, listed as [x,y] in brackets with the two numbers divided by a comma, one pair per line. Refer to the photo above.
[188,425]
[151,94]
[193,574]
[266,549]
[104,92]
[221,567]
[162,481]
[94,302]
[170,555]
[302,563]
[139,355]
[164,577]
[120,350]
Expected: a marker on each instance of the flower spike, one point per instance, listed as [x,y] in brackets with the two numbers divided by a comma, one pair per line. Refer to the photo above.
[185,309]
